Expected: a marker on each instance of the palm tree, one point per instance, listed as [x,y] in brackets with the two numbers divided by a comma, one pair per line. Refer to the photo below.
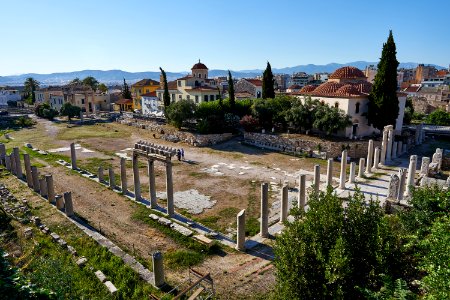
[31,85]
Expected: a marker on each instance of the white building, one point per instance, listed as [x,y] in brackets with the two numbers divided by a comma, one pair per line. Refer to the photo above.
[9,95]
[56,100]
[348,89]
[151,104]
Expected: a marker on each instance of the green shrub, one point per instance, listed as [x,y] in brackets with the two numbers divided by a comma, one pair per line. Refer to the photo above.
[182,258]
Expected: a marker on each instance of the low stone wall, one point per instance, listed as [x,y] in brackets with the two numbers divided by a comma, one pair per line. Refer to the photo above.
[173,135]
[333,149]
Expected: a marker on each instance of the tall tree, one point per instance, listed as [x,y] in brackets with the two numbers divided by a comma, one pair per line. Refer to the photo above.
[231,90]
[91,81]
[268,82]
[102,88]
[383,101]
[31,85]
[126,94]
[166,96]
[75,81]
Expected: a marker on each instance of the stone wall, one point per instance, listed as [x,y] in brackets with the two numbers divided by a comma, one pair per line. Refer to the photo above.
[174,135]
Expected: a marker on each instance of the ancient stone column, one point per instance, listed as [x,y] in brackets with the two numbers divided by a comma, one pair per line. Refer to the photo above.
[112,179]
[43,187]
[264,228]
[123,175]
[81,117]
[284,203]
[399,148]
[384,147]
[68,204]
[411,174]
[50,188]
[425,166]
[376,158]
[361,168]
[389,145]
[158,269]
[329,172]
[352,172]
[152,185]
[27,163]
[12,159]
[73,156]
[137,182]
[2,153]
[17,162]
[316,178]
[302,192]
[240,236]
[101,178]
[59,202]
[8,163]
[35,176]
[394,149]
[401,187]
[393,187]
[343,175]
[169,188]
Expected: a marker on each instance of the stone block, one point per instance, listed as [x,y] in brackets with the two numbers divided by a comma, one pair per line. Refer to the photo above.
[28,232]
[202,239]
[54,236]
[72,250]
[100,276]
[183,230]
[111,288]
[81,261]
[154,217]
[62,243]
[164,221]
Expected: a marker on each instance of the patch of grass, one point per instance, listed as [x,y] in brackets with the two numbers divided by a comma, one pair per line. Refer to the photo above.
[198,175]
[92,131]
[180,259]
[229,212]
[210,222]
[252,226]
[91,164]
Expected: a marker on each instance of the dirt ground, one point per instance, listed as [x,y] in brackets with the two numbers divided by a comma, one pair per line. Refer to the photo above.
[230,173]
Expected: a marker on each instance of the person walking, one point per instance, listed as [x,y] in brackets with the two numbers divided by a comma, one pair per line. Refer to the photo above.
[182,153]
[179,154]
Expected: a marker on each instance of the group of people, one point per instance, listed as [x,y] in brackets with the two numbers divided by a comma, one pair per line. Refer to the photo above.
[180,154]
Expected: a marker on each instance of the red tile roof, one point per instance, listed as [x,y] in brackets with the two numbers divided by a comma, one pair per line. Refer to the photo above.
[151,94]
[347,73]
[308,88]
[124,101]
[199,66]
[294,87]
[351,89]
[145,82]
[256,82]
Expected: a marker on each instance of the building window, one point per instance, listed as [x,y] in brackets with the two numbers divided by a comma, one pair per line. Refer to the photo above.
[336,104]
[199,75]
[179,97]
[211,98]
[258,94]
[173,97]
[82,101]
[179,83]
[206,98]
[196,98]
[357,108]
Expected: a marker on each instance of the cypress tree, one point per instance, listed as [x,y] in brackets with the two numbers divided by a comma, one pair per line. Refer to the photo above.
[166,97]
[231,90]
[267,84]
[383,101]
[126,94]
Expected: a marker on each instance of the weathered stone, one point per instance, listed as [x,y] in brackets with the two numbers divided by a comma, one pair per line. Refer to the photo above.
[424,167]
[112,180]
[81,261]
[158,269]
[54,236]
[316,178]
[376,159]
[27,163]
[183,230]
[361,168]
[240,234]
[154,217]
[73,156]
[59,202]
[68,204]
[35,177]
[393,187]
[411,174]
[43,187]
[50,188]
[369,157]
[100,175]
[164,221]
[28,232]
[123,175]
[62,243]
[264,225]
[329,181]
[284,203]
[343,174]
[352,172]
[72,250]
[99,274]
[401,188]
[137,182]
[169,188]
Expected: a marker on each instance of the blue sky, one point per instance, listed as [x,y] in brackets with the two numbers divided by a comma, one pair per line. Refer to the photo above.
[48,36]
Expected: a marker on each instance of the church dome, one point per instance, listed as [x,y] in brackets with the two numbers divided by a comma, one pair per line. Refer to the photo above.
[347,90]
[347,73]
[327,89]
[199,66]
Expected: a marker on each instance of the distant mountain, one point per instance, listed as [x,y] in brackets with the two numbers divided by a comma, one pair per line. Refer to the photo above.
[117,76]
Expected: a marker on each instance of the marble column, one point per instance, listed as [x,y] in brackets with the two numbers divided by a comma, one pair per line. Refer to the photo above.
[284,203]
[376,158]
[137,182]
[27,163]
[389,145]
[394,149]
[73,156]
[17,162]
[361,168]
[302,191]
[264,228]
[384,147]
[68,204]
[343,175]
[43,187]
[240,235]
[123,175]
[112,179]
[401,188]
[59,202]
[352,172]
[369,157]
[158,269]
[329,172]
[2,153]
[35,177]
[152,185]
[425,166]
[8,163]
[411,174]
[12,159]
[100,176]
[316,178]
[169,188]
[399,148]
[50,188]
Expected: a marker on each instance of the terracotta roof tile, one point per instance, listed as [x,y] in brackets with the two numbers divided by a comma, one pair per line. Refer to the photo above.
[347,72]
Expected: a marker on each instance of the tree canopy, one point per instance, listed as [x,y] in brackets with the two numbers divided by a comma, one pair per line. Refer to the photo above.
[439,117]
[179,112]
[31,85]
[126,94]
[102,88]
[231,90]
[70,110]
[166,96]
[383,101]
[268,83]
[91,82]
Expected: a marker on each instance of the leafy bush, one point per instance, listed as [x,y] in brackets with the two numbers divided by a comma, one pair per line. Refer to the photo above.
[182,258]
[45,111]
[179,112]
[70,110]
[439,117]
[249,123]
[24,121]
